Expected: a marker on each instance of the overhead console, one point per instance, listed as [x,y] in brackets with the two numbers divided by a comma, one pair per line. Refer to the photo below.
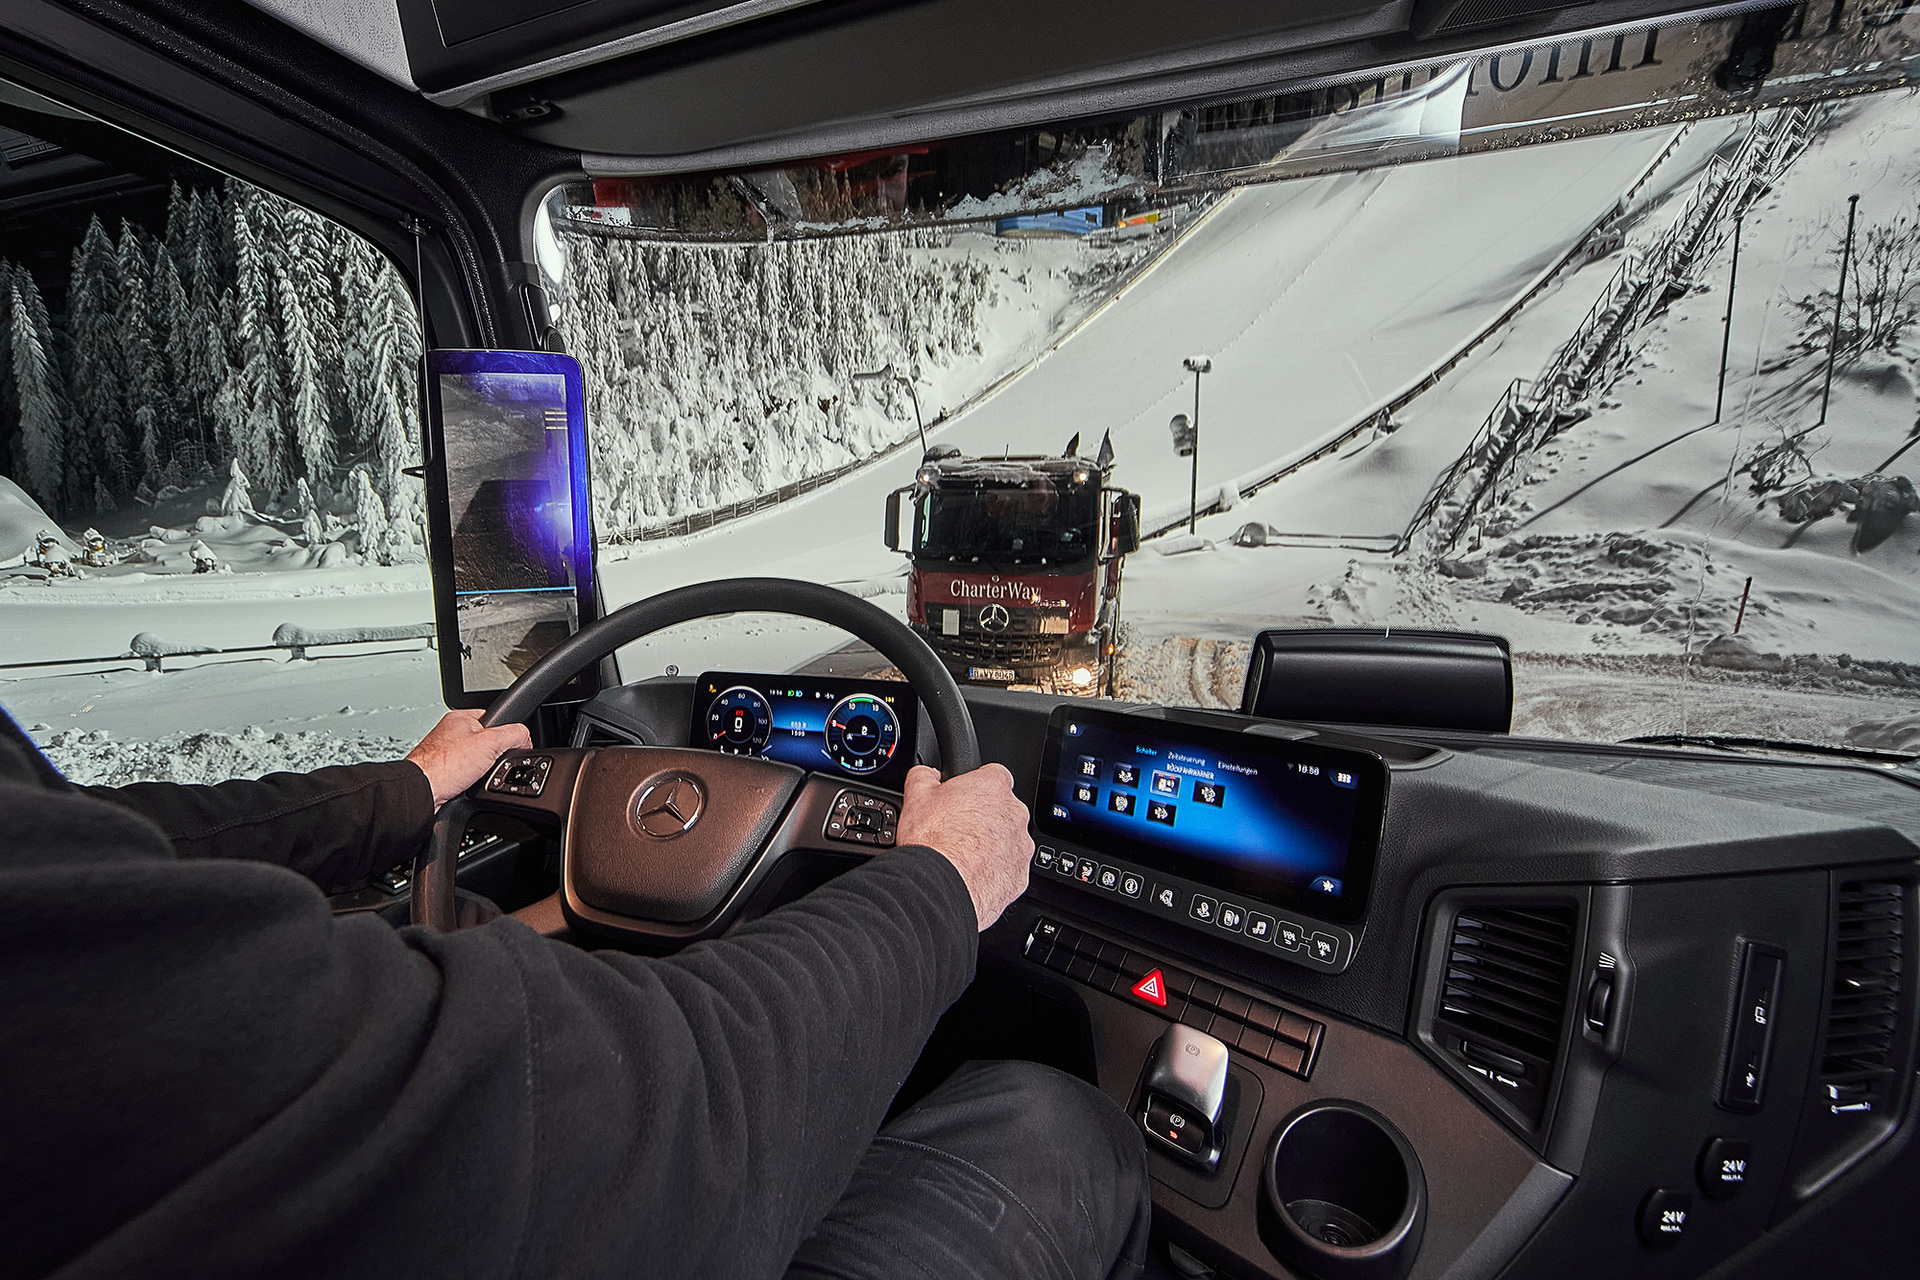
[1264,841]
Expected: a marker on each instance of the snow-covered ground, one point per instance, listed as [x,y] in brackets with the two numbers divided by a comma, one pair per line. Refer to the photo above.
[1620,551]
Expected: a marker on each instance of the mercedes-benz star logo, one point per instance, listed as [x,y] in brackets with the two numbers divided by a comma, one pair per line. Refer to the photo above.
[994,618]
[669,806]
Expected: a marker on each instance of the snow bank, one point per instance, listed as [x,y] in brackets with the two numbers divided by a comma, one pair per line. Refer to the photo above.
[21,519]
[91,758]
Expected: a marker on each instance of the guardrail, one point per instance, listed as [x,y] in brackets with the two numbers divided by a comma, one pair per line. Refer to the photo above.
[1529,414]
[289,638]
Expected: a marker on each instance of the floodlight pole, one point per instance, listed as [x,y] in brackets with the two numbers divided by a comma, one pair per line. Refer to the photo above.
[1197,365]
[890,373]
[1839,296]
[1726,338]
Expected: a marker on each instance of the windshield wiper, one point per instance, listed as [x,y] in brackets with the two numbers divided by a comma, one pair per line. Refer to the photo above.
[1726,743]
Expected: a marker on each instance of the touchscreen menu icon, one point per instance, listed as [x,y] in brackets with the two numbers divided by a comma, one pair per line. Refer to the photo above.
[1089,767]
[1120,802]
[1209,793]
[1341,778]
[1159,811]
[1086,794]
[1166,784]
[1126,775]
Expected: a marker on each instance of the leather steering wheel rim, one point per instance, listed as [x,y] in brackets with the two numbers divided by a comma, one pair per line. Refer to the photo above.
[433,902]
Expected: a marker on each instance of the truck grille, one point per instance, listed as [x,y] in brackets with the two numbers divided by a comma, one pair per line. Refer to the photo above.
[977,648]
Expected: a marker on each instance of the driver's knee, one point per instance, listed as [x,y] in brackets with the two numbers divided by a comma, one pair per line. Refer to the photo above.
[1060,1146]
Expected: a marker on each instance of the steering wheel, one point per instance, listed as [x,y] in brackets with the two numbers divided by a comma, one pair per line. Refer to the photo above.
[669,842]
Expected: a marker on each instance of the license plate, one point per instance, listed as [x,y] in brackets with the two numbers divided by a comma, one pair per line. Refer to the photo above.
[991,673]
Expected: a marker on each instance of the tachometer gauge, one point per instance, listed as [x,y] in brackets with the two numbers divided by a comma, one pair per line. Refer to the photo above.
[862,733]
[739,722]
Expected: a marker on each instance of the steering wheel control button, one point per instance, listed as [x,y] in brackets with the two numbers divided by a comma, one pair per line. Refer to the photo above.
[859,818]
[1663,1217]
[1723,1167]
[1203,909]
[668,806]
[1231,917]
[1131,885]
[1252,1027]
[520,776]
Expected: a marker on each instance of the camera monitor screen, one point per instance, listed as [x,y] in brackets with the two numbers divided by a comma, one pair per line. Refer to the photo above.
[1296,824]
[513,545]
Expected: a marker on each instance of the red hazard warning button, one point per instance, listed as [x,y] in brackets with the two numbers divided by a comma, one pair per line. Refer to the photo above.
[1152,989]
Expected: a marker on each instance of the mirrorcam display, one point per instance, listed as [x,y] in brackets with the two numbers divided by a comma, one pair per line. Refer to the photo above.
[517,554]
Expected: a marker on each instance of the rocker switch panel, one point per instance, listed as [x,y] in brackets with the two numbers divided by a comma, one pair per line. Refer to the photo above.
[1750,1042]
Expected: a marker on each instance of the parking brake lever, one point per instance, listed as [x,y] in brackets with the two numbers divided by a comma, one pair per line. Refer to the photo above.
[1186,1089]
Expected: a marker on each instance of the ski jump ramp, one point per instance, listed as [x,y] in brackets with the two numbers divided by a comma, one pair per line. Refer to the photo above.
[1315,298]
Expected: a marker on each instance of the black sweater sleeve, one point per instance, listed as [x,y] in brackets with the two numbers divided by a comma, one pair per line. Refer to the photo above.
[335,826]
[207,1075]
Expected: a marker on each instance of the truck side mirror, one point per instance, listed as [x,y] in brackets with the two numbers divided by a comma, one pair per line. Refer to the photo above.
[1125,523]
[892,534]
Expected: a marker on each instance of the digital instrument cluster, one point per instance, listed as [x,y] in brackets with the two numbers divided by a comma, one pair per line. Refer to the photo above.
[863,729]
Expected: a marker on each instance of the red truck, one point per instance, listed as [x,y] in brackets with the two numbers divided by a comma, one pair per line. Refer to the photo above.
[1016,564]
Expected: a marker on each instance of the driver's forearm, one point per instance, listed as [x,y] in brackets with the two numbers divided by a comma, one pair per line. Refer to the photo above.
[336,826]
[735,1086]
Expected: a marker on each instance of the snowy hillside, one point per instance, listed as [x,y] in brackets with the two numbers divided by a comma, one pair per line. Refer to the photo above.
[720,372]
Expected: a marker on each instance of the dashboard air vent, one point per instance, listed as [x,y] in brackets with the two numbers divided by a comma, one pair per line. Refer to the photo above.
[1867,960]
[1503,1000]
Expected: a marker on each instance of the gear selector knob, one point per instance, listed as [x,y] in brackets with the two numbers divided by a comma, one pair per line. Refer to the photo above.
[1185,1091]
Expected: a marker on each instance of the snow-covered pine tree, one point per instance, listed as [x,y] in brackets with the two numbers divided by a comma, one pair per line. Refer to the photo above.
[99,459]
[199,339]
[169,315]
[308,271]
[304,333]
[237,499]
[182,226]
[9,409]
[369,513]
[38,392]
[312,527]
[392,361]
[149,394]
[258,380]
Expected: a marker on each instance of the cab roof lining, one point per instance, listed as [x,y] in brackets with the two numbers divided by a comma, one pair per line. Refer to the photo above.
[676,89]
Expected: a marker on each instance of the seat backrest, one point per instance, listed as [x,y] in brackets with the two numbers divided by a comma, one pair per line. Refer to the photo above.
[1368,675]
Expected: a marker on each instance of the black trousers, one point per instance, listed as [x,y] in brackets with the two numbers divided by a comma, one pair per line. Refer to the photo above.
[1008,1171]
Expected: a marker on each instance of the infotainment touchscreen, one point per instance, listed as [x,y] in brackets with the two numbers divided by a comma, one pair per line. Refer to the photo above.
[862,729]
[1295,824]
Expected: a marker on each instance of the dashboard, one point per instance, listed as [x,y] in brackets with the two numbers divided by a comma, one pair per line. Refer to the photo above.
[863,730]
[1615,1009]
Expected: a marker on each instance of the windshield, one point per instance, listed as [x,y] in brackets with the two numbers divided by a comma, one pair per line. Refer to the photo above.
[1034,522]
[1640,402]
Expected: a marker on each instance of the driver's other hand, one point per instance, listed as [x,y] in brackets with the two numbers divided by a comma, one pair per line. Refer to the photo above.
[457,752]
[981,827]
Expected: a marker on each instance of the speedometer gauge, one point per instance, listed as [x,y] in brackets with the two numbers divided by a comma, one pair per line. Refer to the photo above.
[739,722]
[862,733]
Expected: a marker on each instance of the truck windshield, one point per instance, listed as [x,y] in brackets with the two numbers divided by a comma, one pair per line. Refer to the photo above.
[1035,523]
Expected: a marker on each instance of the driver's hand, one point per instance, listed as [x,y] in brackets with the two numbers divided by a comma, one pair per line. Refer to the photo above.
[981,827]
[457,752]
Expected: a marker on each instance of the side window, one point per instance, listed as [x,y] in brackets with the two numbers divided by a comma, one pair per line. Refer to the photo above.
[212,551]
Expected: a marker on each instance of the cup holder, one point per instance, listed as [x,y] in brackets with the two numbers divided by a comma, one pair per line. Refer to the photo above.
[1344,1197]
